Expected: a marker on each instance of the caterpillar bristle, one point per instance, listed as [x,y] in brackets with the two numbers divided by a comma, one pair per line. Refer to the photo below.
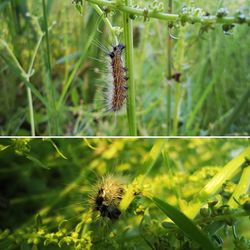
[106,197]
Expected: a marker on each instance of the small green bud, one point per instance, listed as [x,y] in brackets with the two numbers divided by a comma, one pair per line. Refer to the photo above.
[241,18]
[222,12]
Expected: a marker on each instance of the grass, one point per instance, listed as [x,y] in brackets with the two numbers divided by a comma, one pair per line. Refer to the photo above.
[51,85]
[46,206]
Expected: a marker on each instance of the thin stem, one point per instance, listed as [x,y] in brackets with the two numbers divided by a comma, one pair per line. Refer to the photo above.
[106,21]
[32,121]
[129,57]
[47,37]
[31,109]
[167,17]
[169,71]
[53,114]
[34,54]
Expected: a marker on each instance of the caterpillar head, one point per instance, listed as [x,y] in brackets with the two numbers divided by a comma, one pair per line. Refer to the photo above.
[117,50]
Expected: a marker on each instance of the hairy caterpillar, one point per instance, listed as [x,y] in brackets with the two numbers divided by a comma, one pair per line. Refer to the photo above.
[117,91]
[106,197]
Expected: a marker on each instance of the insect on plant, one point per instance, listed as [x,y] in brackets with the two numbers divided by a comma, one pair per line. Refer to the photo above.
[106,197]
[192,15]
[50,87]
[118,90]
[167,194]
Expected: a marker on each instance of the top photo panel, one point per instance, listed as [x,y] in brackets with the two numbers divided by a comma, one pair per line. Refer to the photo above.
[124,68]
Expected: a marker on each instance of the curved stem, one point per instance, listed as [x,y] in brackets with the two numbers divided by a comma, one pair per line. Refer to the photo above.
[105,20]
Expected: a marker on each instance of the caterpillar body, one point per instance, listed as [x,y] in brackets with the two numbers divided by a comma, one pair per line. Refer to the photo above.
[117,91]
[107,196]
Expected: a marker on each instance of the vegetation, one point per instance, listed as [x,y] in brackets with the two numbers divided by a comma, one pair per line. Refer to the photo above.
[188,71]
[167,194]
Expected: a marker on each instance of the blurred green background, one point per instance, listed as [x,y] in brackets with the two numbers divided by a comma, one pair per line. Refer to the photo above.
[208,100]
[54,179]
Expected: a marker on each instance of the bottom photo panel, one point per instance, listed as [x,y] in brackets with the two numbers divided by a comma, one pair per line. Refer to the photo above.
[124,193]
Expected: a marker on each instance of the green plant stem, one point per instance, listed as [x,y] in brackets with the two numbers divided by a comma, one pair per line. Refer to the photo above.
[106,21]
[53,114]
[169,71]
[129,58]
[47,37]
[32,121]
[164,16]
[241,188]
[31,109]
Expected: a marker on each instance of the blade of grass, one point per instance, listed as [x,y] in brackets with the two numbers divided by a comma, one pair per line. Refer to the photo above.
[184,223]
[50,89]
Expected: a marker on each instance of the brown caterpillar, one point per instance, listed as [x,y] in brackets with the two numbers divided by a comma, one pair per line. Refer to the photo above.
[117,91]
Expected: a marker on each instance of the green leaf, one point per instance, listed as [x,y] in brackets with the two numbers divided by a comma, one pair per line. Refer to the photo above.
[184,223]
